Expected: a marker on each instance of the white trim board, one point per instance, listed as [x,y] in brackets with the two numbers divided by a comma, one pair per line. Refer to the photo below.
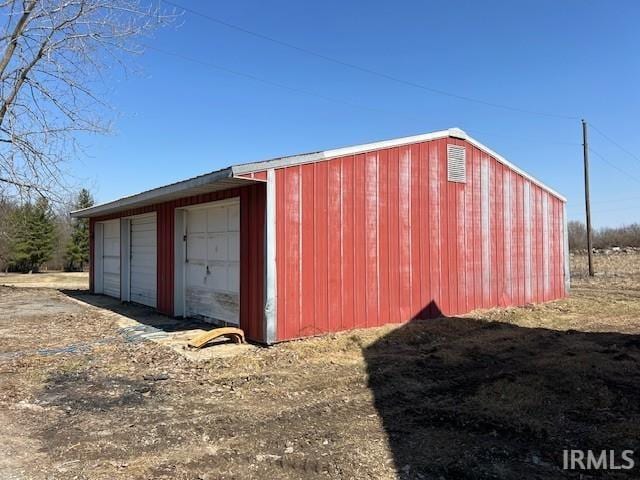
[246,168]
[339,152]
[271,284]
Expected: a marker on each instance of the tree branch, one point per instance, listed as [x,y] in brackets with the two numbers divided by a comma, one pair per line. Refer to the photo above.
[17,31]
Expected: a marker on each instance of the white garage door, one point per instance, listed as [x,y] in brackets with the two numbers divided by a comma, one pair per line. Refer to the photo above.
[111,258]
[212,283]
[143,260]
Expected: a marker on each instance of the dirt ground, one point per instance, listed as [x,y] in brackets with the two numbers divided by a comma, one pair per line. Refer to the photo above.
[497,394]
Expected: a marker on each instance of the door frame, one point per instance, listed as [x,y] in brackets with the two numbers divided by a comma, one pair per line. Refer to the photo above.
[98,263]
[180,251]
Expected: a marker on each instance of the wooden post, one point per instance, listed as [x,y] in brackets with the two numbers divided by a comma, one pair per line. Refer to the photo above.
[585,149]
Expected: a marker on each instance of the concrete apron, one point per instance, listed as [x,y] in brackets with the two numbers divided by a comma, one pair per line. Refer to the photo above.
[139,323]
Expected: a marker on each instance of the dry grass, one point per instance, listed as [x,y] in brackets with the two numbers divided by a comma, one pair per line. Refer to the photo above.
[496,394]
[61,280]
[610,301]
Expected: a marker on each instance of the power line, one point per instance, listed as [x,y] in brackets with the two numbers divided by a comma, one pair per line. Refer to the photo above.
[520,138]
[297,90]
[613,165]
[614,200]
[577,209]
[628,152]
[609,210]
[605,202]
[365,69]
[368,71]
[266,81]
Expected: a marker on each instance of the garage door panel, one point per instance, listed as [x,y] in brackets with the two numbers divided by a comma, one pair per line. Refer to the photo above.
[144,269]
[141,280]
[201,302]
[148,225]
[111,258]
[217,247]
[146,220]
[233,241]
[196,247]
[111,229]
[143,261]
[217,219]
[234,218]
[143,246]
[217,278]
[138,272]
[143,286]
[195,273]
[148,250]
[147,232]
[144,238]
[111,247]
[233,275]
[112,266]
[198,302]
[148,256]
[197,221]
[111,285]
[144,250]
[144,297]
[213,294]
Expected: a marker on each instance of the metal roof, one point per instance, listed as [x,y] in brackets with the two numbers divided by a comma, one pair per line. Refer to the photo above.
[232,176]
[209,182]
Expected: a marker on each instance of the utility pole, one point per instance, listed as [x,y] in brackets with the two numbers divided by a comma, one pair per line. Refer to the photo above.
[585,149]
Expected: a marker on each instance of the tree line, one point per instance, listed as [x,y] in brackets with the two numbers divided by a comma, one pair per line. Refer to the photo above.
[625,236]
[33,235]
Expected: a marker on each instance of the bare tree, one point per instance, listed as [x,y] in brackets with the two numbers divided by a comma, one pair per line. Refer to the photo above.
[53,58]
[606,237]
[577,235]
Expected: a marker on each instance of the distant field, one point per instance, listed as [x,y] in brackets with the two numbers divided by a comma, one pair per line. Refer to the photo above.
[62,280]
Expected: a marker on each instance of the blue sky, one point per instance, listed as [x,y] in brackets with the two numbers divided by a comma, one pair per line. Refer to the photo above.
[179,118]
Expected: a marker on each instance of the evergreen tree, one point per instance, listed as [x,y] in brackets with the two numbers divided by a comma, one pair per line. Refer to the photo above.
[34,236]
[77,253]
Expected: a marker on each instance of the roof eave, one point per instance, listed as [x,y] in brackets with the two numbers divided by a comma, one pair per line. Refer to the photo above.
[245,168]
[214,181]
[237,174]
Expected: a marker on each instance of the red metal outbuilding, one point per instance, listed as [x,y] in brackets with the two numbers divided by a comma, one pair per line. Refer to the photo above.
[363,236]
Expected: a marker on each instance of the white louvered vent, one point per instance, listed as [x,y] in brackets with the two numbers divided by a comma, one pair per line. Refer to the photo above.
[456,164]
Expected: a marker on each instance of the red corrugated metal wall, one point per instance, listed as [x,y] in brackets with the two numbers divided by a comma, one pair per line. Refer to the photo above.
[382,237]
[252,228]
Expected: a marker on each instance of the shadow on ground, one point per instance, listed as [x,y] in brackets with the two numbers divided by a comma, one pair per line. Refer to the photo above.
[140,323]
[463,398]
[139,313]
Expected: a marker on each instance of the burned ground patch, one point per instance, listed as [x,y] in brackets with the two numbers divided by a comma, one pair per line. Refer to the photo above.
[83,392]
